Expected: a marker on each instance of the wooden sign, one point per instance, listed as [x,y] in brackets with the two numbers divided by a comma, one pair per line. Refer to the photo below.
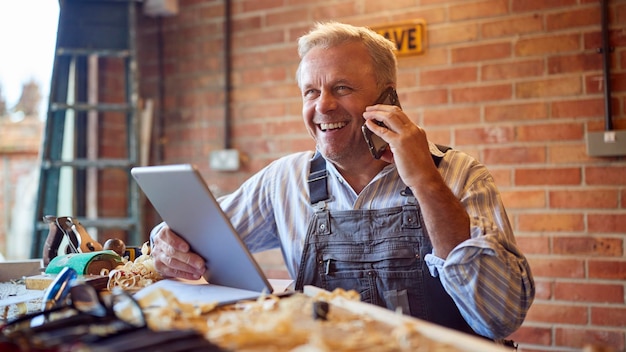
[409,37]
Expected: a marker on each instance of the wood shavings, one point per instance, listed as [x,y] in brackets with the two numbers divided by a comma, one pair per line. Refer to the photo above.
[285,324]
[134,275]
[164,311]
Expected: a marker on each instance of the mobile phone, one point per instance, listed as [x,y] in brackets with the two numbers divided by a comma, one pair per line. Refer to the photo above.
[376,144]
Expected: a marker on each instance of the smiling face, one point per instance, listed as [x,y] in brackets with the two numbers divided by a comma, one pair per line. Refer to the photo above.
[337,83]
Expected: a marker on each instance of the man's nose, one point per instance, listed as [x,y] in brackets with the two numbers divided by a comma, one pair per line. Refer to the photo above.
[325,103]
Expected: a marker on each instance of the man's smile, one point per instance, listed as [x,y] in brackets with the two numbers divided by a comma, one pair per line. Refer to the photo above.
[332,126]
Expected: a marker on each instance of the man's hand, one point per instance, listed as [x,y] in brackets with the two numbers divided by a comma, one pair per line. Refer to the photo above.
[173,258]
[408,146]
[445,217]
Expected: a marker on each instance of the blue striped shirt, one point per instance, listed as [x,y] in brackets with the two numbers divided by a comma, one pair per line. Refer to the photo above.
[487,275]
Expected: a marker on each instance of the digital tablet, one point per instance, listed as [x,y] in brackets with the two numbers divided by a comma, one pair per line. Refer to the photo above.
[185,202]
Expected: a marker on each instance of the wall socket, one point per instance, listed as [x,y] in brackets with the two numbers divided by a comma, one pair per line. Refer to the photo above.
[606,143]
[225,160]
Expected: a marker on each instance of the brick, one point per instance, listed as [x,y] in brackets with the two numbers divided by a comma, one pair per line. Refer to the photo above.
[448,34]
[453,75]
[568,153]
[607,223]
[549,132]
[607,269]
[550,176]
[585,337]
[502,177]
[578,108]
[557,313]
[514,155]
[551,222]
[282,56]
[619,123]
[556,267]
[534,5]
[588,292]
[588,246]
[434,56]
[338,10]
[260,39]
[451,116]
[552,87]
[509,70]
[431,15]
[266,75]
[425,97]
[431,2]
[481,9]
[533,335]
[482,93]
[547,45]
[522,199]
[246,24]
[580,62]
[605,175]
[620,13]
[287,16]
[253,6]
[248,129]
[279,90]
[442,136]
[533,245]
[405,80]
[512,26]
[484,135]
[543,288]
[286,128]
[572,18]
[618,83]
[207,11]
[378,6]
[613,316]
[263,110]
[588,198]
[594,83]
[516,112]
[480,53]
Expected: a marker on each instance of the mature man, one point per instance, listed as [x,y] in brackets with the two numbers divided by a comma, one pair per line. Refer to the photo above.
[422,228]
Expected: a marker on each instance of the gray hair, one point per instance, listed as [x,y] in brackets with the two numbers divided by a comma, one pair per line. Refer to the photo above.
[329,34]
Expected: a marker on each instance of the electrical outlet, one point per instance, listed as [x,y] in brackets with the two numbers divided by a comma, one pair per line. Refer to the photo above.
[606,143]
[224,160]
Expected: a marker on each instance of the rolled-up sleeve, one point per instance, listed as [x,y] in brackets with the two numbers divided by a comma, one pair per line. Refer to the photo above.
[490,283]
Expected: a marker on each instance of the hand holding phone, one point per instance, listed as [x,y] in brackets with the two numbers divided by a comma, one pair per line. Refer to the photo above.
[376,144]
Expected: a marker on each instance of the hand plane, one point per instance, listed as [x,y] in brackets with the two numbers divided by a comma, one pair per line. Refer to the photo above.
[66,235]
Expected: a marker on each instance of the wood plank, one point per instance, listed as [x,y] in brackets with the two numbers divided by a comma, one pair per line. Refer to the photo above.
[461,341]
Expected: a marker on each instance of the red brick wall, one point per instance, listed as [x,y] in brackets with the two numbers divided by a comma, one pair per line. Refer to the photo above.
[113,143]
[19,146]
[516,83]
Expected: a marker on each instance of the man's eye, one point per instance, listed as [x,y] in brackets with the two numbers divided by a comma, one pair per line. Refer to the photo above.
[343,90]
[310,94]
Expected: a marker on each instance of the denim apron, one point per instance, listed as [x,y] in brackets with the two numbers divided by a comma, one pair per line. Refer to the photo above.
[378,253]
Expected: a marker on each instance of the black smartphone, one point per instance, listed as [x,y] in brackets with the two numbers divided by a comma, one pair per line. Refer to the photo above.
[376,144]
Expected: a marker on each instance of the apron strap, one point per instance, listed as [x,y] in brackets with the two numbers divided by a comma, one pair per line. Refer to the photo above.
[318,188]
